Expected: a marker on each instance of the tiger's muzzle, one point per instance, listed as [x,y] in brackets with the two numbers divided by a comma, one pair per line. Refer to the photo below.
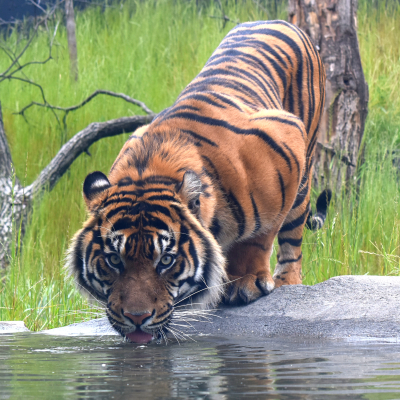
[139,305]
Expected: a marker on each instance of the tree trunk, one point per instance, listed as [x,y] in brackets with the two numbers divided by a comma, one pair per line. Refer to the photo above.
[13,205]
[332,27]
[73,53]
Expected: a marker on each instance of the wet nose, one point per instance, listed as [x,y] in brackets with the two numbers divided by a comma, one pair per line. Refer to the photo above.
[137,319]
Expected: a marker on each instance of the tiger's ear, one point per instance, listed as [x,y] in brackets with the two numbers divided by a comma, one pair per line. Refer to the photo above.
[190,190]
[95,184]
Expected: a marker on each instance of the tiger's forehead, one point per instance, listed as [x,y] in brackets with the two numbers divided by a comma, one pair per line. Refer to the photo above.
[140,223]
[136,243]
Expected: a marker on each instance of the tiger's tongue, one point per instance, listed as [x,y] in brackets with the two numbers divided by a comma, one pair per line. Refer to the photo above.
[139,336]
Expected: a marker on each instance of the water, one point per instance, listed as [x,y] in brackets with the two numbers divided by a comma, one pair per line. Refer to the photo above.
[49,367]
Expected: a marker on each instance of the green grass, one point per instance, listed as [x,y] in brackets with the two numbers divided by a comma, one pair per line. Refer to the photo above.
[151,52]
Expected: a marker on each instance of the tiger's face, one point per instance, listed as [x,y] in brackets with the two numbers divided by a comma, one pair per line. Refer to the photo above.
[144,250]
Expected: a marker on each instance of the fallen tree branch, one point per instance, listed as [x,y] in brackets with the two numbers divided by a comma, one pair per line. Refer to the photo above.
[79,144]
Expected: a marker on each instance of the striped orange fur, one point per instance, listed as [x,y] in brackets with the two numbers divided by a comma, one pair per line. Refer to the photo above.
[196,198]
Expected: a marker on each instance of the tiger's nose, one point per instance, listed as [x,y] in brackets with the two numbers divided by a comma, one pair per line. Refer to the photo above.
[137,319]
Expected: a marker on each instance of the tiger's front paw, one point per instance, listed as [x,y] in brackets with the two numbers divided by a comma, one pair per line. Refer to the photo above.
[244,290]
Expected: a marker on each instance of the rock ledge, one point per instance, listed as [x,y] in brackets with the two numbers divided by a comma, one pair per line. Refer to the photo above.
[358,307]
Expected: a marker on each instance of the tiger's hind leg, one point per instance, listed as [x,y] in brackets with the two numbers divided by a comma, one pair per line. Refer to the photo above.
[248,269]
[290,237]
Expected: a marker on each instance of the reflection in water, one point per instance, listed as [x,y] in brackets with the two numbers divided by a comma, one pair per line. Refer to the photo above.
[41,366]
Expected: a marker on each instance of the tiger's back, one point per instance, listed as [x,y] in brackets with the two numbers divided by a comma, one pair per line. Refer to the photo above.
[215,177]
[261,72]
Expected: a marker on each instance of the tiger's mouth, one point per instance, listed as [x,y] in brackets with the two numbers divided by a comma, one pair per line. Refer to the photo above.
[139,336]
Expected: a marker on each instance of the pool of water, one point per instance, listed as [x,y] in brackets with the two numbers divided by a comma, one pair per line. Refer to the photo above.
[50,367]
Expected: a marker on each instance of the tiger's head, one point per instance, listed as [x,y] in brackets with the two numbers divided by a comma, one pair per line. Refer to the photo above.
[146,246]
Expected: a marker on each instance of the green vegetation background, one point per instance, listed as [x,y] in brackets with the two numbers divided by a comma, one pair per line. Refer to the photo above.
[151,51]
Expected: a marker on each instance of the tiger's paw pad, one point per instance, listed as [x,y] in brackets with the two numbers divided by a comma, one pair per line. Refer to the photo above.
[248,288]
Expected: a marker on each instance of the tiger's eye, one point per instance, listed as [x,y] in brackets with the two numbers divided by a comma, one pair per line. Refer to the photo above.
[114,259]
[166,260]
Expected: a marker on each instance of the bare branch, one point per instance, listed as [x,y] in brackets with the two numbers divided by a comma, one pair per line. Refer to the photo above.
[4,74]
[20,67]
[226,19]
[223,16]
[79,144]
[9,73]
[41,91]
[89,98]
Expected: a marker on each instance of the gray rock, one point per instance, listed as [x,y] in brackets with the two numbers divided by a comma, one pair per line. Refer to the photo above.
[358,307]
[12,327]
[95,327]
[342,307]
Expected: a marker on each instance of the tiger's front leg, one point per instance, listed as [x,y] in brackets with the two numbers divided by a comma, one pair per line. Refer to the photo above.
[249,271]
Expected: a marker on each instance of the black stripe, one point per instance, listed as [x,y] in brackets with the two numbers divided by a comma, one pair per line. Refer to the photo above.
[199,137]
[193,255]
[302,194]
[161,197]
[169,308]
[222,97]
[291,241]
[182,267]
[291,260]
[282,189]
[155,223]
[111,311]
[281,120]
[256,214]
[116,211]
[294,158]
[123,223]
[295,223]
[215,227]
[214,174]
[127,181]
[176,108]
[238,214]
[203,98]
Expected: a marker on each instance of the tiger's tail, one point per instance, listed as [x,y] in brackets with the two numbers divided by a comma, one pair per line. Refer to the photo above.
[316,221]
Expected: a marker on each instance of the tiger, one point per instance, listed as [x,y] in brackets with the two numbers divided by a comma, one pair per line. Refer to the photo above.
[192,204]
